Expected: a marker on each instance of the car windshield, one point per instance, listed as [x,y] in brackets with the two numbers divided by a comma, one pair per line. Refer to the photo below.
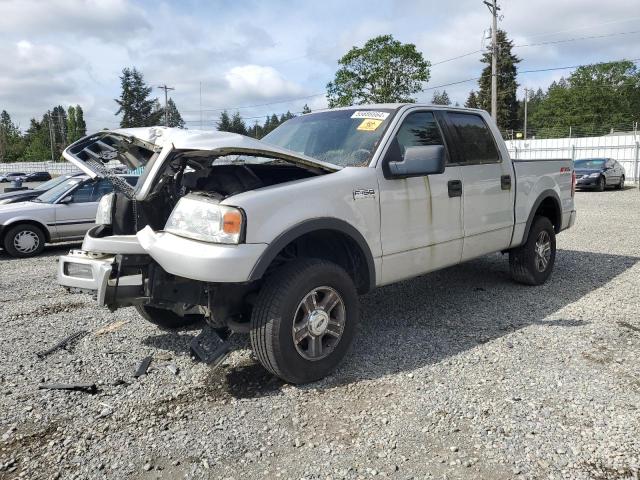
[590,163]
[56,192]
[347,138]
[51,183]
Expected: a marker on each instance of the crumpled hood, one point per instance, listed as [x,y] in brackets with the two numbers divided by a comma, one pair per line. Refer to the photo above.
[135,147]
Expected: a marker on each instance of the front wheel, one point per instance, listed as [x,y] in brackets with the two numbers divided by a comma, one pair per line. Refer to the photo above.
[304,320]
[532,263]
[602,183]
[24,241]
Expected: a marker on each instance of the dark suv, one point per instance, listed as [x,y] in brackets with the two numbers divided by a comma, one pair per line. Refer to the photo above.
[599,173]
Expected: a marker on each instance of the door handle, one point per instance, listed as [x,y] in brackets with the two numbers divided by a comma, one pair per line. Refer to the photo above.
[455,188]
[505,182]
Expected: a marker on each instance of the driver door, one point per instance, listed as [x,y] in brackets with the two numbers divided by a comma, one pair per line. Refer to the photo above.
[73,219]
[421,217]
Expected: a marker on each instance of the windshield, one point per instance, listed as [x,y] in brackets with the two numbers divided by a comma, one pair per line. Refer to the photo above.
[56,192]
[590,163]
[52,183]
[347,138]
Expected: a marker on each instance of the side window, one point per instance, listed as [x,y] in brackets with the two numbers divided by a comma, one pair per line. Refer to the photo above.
[101,188]
[84,193]
[475,140]
[419,129]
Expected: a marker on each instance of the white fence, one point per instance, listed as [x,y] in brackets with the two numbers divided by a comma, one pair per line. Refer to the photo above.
[624,147]
[54,168]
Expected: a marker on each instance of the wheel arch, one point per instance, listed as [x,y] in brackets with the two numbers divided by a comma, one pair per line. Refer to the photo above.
[336,240]
[22,221]
[548,205]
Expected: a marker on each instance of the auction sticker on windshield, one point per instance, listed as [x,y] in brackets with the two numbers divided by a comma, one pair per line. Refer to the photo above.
[369,125]
[370,114]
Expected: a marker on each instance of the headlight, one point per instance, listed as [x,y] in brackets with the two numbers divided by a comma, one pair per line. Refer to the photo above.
[105,209]
[594,175]
[203,218]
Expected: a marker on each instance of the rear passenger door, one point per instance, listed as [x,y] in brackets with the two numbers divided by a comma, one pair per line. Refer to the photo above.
[487,185]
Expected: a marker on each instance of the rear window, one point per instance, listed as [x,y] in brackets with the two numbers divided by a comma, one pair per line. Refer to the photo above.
[475,140]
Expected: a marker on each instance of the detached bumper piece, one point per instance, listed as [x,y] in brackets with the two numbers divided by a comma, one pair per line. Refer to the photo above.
[113,279]
[209,347]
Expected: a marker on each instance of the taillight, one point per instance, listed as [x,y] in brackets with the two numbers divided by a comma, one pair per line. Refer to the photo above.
[573,183]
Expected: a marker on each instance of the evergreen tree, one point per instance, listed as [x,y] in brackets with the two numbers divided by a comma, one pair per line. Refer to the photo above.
[507,115]
[59,126]
[11,141]
[38,140]
[224,122]
[175,119]
[306,109]
[72,127]
[441,98]
[81,125]
[237,124]
[137,109]
[472,100]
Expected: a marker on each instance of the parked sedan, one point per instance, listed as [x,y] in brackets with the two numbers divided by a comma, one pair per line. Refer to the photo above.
[63,213]
[599,173]
[11,176]
[37,177]
[28,194]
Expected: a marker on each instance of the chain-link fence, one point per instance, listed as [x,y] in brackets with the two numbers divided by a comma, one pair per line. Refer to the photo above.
[54,168]
[621,146]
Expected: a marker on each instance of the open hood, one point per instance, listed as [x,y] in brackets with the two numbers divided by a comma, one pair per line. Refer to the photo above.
[136,148]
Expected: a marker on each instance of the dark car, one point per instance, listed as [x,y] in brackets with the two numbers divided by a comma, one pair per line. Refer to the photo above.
[599,173]
[11,176]
[37,177]
[25,195]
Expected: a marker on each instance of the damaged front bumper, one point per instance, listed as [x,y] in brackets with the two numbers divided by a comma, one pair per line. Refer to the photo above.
[101,275]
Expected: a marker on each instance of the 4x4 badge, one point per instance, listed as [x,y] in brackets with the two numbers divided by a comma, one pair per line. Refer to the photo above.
[364,193]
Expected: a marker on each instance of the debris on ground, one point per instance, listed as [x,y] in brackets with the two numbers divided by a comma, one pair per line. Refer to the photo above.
[143,367]
[111,327]
[77,387]
[64,343]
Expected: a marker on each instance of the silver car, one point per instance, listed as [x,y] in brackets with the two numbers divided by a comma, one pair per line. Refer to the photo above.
[61,214]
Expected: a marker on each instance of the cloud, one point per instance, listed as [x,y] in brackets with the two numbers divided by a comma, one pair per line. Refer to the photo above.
[109,20]
[260,82]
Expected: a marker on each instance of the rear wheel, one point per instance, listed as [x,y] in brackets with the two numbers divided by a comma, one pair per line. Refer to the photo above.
[304,320]
[620,185]
[532,263]
[24,241]
[166,318]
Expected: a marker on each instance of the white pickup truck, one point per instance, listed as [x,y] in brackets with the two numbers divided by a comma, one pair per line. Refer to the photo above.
[277,237]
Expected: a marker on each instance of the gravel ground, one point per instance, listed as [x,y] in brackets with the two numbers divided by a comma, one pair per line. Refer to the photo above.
[457,374]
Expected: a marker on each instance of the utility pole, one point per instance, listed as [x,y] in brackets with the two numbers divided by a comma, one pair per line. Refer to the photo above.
[166,110]
[201,125]
[493,8]
[526,100]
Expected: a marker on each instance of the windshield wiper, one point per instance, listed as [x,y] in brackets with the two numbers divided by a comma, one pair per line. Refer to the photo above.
[37,200]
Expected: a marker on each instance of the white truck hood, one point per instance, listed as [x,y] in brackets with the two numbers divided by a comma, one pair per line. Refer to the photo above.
[151,146]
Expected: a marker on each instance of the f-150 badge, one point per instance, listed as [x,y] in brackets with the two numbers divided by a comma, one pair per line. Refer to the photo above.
[361,193]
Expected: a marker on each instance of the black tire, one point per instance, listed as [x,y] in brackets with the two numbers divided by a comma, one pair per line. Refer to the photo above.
[602,183]
[167,319]
[31,246]
[524,262]
[276,309]
[620,185]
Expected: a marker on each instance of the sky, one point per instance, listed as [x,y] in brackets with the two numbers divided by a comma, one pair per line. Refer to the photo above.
[269,57]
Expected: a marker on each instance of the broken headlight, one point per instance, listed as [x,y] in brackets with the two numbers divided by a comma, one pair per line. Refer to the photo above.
[105,209]
[203,218]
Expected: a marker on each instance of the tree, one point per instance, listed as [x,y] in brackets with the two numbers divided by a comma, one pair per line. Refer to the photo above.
[224,122]
[472,100]
[306,109]
[81,126]
[507,115]
[38,140]
[441,98]
[237,124]
[76,126]
[137,109]
[11,142]
[175,119]
[384,70]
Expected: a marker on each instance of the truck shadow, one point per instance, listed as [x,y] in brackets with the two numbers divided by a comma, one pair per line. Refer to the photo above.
[424,321]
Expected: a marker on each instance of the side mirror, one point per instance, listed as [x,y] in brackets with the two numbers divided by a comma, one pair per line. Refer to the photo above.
[67,199]
[419,161]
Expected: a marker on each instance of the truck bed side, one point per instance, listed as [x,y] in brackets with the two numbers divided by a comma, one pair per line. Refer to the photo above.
[536,181]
